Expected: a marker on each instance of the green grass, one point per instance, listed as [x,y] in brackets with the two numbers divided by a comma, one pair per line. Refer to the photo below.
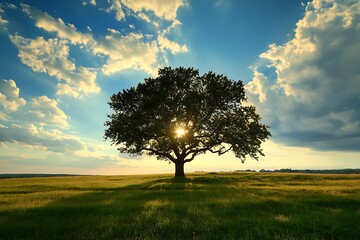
[204,206]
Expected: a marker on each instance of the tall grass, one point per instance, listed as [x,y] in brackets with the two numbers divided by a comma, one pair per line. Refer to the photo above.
[204,206]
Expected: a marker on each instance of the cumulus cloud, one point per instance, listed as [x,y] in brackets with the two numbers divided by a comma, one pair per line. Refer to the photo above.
[52,57]
[118,51]
[164,9]
[9,96]
[314,100]
[45,112]
[174,47]
[258,85]
[65,89]
[132,50]
[41,111]
[37,130]
[115,5]
[147,19]
[35,123]
[121,52]
[127,52]
[48,23]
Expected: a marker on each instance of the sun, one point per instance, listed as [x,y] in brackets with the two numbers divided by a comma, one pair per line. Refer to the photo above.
[180,132]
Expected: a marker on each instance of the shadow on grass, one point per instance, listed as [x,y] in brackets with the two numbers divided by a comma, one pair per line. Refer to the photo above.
[199,207]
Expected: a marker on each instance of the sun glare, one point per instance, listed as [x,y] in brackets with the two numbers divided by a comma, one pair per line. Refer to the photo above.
[180,132]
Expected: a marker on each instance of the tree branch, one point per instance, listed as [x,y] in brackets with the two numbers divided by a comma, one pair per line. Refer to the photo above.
[167,155]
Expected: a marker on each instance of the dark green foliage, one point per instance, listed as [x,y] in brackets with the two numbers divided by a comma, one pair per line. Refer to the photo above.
[210,109]
[202,206]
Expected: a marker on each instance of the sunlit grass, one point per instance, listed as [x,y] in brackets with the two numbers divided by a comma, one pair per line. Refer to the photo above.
[204,206]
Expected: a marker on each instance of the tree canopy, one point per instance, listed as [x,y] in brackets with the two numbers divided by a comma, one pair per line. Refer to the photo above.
[181,114]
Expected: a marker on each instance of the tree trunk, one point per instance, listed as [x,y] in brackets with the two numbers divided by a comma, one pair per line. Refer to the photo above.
[179,169]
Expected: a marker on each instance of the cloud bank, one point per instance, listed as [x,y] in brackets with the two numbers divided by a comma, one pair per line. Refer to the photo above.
[37,128]
[314,99]
[34,123]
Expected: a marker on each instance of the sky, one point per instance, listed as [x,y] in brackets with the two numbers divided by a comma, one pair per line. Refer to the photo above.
[61,60]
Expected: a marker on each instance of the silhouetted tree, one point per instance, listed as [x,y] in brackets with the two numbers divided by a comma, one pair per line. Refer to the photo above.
[180,114]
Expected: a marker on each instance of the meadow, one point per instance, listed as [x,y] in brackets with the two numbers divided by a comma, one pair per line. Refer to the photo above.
[204,206]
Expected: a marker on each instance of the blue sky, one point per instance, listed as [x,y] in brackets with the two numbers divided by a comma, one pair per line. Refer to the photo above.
[61,61]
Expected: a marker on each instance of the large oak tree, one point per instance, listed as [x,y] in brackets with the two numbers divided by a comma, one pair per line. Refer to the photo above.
[181,114]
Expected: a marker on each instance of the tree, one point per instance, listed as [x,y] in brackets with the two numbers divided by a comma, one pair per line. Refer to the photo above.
[180,114]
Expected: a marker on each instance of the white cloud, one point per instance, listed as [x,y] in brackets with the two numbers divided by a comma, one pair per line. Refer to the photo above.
[45,111]
[48,23]
[127,52]
[3,22]
[36,127]
[165,9]
[115,5]
[52,57]
[314,99]
[65,89]
[258,85]
[145,17]
[158,9]
[174,47]
[38,159]
[36,123]
[91,2]
[113,31]
[121,52]
[9,96]
[37,137]
[173,25]
[41,111]
[37,132]
[132,51]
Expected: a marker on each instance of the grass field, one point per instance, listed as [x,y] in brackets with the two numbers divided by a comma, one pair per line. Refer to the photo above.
[204,206]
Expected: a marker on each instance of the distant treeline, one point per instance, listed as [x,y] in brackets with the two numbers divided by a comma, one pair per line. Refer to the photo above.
[27,175]
[330,171]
